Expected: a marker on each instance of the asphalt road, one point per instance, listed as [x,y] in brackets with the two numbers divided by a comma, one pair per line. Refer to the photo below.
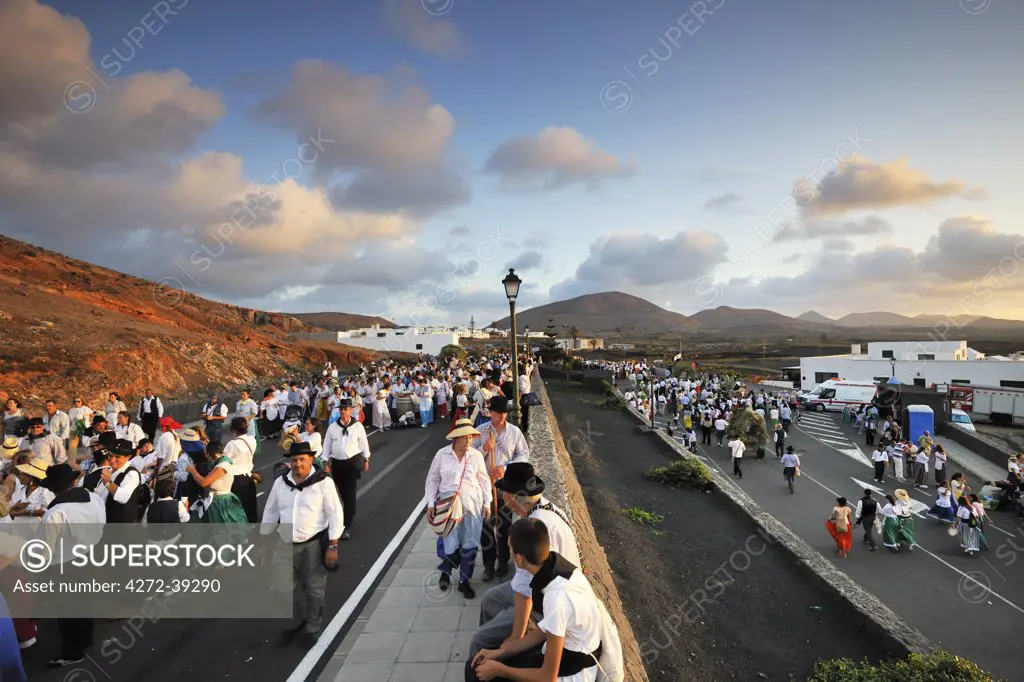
[176,650]
[968,605]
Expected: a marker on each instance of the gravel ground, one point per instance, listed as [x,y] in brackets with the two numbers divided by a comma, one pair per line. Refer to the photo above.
[708,598]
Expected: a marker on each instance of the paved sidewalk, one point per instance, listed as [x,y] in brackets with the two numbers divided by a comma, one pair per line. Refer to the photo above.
[409,630]
[971,462]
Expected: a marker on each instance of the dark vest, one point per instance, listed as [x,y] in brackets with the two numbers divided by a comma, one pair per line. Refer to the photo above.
[152,408]
[556,565]
[868,508]
[129,511]
[163,511]
[213,410]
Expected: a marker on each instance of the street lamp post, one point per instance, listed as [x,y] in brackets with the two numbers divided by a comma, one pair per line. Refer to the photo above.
[511,283]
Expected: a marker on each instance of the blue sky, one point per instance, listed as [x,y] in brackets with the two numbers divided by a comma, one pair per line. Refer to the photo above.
[755,99]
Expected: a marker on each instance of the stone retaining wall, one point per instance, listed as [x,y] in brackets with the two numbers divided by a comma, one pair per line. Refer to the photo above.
[550,458]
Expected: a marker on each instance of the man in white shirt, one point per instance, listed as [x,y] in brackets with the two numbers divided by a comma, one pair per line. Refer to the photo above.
[347,457]
[501,444]
[720,426]
[128,431]
[151,411]
[506,609]
[78,515]
[214,413]
[308,500]
[572,632]
[58,423]
[241,449]
[737,446]
[123,484]
[44,445]
[880,459]
[525,387]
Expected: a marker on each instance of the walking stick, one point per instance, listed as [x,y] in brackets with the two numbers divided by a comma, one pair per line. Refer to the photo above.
[494,495]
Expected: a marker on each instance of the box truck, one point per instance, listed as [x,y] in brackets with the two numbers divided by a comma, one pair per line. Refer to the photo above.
[998,405]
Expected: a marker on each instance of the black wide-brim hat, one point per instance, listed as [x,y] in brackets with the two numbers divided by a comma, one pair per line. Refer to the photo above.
[520,479]
[499,403]
[300,448]
[58,475]
[345,402]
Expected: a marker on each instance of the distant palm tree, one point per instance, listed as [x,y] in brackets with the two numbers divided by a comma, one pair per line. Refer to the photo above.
[574,333]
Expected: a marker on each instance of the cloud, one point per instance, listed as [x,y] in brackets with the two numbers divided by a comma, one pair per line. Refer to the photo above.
[427,32]
[969,247]
[389,145]
[966,268]
[631,261]
[124,186]
[554,158]
[861,184]
[459,230]
[527,260]
[723,202]
[818,229]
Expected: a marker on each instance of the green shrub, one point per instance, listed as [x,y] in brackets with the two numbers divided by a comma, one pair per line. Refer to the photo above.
[612,402]
[450,352]
[643,516]
[682,473]
[749,427]
[940,666]
[606,387]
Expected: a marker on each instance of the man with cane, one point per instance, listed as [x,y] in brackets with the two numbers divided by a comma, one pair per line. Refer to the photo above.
[501,443]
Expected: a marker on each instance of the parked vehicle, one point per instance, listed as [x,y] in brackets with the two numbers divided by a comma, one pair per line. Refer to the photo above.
[836,394]
[960,420]
[999,405]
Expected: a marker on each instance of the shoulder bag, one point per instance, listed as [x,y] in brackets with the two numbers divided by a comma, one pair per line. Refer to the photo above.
[448,512]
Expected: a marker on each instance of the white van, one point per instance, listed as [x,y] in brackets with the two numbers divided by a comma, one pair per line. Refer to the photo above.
[960,420]
[835,394]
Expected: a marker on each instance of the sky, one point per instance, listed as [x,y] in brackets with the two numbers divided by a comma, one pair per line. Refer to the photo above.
[396,157]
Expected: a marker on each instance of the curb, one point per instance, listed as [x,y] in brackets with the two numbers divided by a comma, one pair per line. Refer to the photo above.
[599,570]
[876,616]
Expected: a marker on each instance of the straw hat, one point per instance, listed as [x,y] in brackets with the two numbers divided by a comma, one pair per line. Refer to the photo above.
[10,446]
[901,495]
[36,468]
[463,427]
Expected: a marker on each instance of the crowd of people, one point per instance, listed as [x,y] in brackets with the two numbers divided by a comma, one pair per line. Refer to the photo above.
[703,402]
[112,465]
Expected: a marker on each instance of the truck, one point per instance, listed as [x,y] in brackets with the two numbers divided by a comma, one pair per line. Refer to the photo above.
[836,394]
[1000,405]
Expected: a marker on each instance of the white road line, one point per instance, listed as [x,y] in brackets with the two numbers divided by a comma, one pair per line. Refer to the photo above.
[310,660]
[844,443]
[826,429]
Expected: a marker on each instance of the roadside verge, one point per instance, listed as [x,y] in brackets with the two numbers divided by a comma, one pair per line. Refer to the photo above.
[876,617]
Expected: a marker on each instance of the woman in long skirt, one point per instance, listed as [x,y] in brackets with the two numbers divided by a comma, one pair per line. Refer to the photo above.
[247,408]
[943,509]
[968,524]
[979,513]
[223,505]
[905,519]
[890,525]
[840,528]
[381,413]
[459,469]
[461,403]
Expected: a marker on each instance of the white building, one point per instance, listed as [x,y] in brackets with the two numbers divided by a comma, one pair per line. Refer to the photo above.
[922,363]
[399,339]
[580,344]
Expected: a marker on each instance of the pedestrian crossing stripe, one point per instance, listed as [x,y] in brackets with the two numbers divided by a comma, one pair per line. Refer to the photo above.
[821,428]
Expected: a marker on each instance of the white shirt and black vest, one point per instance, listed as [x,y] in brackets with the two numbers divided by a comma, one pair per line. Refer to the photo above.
[76,515]
[123,505]
[150,409]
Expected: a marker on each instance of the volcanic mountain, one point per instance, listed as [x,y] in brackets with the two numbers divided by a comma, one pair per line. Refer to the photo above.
[610,314]
[70,327]
[342,322]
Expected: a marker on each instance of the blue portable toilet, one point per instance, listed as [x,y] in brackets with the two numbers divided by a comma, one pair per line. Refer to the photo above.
[916,420]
